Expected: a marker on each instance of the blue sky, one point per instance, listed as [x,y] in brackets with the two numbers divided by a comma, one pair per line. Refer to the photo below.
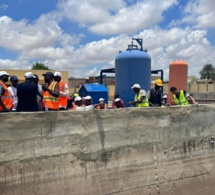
[84,37]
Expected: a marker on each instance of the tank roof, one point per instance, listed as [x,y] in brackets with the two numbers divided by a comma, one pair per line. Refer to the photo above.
[133,54]
[178,62]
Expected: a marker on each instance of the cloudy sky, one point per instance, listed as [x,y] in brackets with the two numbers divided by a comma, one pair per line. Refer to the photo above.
[84,36]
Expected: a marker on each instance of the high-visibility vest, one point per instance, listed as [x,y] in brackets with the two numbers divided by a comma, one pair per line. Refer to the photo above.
[182,99]
[144,103]
[62,100]
[6,98]
[50,101]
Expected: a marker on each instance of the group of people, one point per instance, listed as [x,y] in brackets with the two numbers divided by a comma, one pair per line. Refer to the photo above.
[154,96]
[84,103]
[54,95]
[30,95]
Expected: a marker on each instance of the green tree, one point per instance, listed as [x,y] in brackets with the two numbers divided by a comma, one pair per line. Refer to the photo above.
[207,72]
[39,66]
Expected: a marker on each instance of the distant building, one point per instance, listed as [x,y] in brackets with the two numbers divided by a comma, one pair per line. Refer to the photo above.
[76,82]
[200,81]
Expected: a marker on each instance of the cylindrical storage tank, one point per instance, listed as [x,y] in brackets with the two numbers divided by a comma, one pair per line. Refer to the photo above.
[132,66]
[178,72]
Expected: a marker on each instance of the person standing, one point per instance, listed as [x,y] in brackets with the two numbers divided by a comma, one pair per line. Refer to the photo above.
[63,91]
[165,101]
[101,104]
[71,101]
[27,94]
[181,97]
[78,104]
[6,100]
[40,92]
[155,95]
[88,103]
[50,92]
[140,98]
[116,96]
[13,90]
[118,103]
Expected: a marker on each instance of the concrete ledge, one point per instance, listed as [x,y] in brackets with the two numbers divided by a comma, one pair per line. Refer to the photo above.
[127,151]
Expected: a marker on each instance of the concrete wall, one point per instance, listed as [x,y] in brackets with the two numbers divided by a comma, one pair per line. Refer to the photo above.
[127,151]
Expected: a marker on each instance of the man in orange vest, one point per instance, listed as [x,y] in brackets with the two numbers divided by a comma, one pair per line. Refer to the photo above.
[101,105]
[63,91]
[6,100]
[50,93]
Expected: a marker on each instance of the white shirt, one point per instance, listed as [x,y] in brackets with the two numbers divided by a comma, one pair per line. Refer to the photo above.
[80,108]
[90,107]
[13,92]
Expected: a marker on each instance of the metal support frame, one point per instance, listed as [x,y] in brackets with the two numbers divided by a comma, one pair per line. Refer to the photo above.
[112,70]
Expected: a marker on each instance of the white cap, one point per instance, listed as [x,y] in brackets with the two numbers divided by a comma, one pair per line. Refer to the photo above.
[78,98]
[101,99]
[88,97]
[117,99]
[29,75]
[165,96]
[136,86]
[57,74]
[4,73]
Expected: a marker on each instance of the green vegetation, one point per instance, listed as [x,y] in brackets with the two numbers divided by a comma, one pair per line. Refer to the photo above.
[39,66]
[207,72]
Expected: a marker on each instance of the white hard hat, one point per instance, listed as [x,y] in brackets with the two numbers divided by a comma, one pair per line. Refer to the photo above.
[136,86]
[57,74]
[29,75]
[78,98]
[4,73]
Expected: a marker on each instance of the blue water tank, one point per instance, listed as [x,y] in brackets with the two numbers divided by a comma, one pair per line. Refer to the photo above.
[94,90]
[132,66]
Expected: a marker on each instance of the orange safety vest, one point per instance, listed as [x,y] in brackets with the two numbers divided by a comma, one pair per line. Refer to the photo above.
[62,100]
[99,107]
[6,98]
[50,101]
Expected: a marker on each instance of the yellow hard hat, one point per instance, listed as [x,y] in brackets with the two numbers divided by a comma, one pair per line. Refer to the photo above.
[159,82]
[75,95]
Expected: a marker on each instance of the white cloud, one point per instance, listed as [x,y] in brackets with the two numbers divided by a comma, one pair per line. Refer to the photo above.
[163,46]
[189,45]
[24,36]
[14,64]
[87,12]
[110,17]
[200,13]
[44,40]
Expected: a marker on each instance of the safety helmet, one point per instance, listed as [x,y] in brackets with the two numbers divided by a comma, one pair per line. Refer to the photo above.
[75,95]
[159,82]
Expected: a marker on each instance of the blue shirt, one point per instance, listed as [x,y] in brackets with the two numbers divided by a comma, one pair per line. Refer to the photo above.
[27,97]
